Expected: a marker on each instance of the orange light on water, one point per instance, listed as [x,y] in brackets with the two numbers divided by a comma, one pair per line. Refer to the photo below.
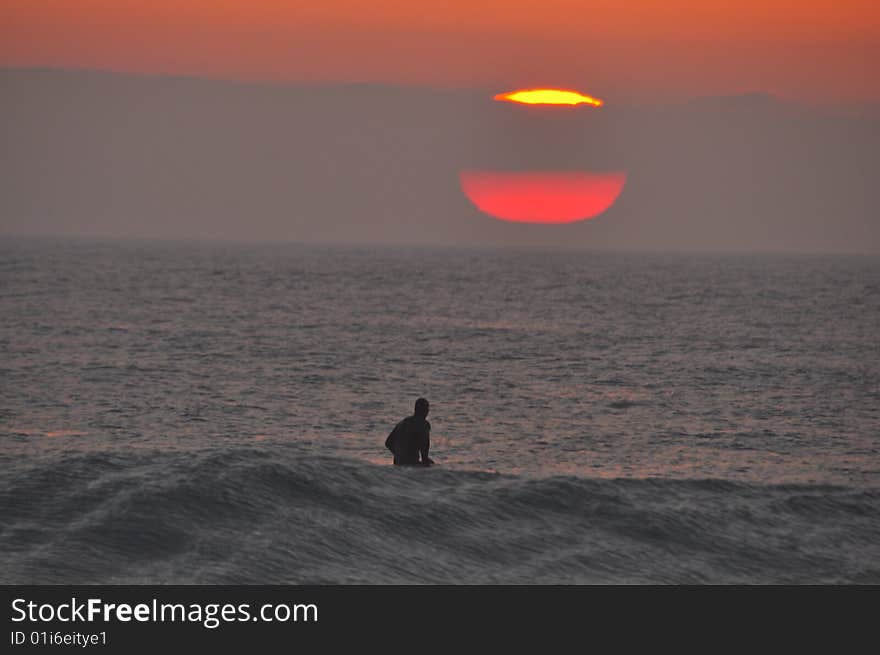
[549,97]
[542,197]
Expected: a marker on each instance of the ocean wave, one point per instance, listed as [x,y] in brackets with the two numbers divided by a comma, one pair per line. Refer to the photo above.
[279,514]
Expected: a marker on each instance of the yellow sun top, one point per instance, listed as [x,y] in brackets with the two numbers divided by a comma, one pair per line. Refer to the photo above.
[549,97]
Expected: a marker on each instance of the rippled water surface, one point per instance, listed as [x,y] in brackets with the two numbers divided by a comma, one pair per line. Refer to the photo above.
[749,368]
[128,366]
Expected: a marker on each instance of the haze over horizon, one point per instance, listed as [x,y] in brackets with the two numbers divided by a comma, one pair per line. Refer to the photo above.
[118,155]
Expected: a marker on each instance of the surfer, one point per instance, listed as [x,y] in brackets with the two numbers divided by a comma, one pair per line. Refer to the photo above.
[410,439]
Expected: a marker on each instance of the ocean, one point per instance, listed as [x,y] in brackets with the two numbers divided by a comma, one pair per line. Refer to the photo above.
[216,413]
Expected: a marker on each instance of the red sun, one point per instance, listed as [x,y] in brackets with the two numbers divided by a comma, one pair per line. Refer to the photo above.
[543,197]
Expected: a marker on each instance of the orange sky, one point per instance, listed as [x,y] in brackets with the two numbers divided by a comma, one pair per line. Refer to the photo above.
[813,50]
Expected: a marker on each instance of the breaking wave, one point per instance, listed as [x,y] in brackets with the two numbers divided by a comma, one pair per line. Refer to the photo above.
[281,515]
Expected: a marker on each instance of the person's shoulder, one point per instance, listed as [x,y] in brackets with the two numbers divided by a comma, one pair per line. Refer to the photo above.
[428,424]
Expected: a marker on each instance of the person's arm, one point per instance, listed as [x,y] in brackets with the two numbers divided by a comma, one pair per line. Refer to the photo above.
[392,437]
[425,445]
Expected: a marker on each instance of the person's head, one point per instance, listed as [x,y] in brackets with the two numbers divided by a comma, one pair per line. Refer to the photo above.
[421,407]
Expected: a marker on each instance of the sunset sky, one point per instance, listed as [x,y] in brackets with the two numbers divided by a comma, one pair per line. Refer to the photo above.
[816,51]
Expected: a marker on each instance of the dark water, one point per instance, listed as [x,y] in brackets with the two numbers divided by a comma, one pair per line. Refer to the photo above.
[216,413]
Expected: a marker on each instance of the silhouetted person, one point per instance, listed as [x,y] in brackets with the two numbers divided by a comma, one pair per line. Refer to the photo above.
[411,438]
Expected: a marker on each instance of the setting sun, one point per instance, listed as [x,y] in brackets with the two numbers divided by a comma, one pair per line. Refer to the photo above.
[542,196]
[549,97]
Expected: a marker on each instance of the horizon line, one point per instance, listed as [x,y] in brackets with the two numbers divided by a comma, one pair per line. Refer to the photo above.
[425,245]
